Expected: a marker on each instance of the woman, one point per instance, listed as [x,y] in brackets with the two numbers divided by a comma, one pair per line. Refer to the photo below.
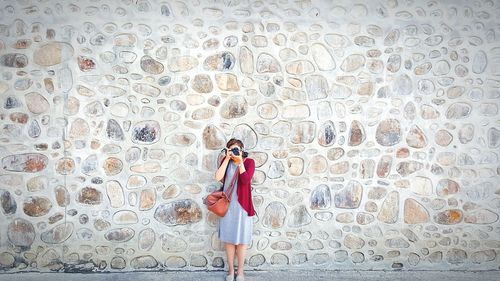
[235,228]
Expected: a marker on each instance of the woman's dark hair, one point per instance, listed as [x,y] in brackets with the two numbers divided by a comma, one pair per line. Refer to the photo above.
[234,141]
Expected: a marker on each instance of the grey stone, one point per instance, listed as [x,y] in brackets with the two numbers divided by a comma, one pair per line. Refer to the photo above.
[119,235]
[36,206]
[388,132]
[322,57]
[146,132]
[493,137]
[175,262]
[143,262]
[353,242]
[21,232]
[321,198]
[178,212]
[396,243]
[356,133]
[235,107]
[352,63]
[458,110]
[316,87]
[7,202]
[256,260]
[479,62]
[58,234]
[274,215]
[456,256]
[299,216]
[389,211]
[266,63]
[220,62]
[15,60]
[172,244]
[394,63]
[350,196]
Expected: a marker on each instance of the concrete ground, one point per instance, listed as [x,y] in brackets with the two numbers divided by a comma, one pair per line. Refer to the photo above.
[289,275]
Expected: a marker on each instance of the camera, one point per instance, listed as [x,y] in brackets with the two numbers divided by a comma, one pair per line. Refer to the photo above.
[236,151]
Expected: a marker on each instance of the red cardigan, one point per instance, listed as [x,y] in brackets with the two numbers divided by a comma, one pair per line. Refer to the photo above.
[244,190]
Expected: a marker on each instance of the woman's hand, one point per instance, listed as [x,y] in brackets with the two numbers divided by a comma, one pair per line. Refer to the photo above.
[238,159]
[229,153]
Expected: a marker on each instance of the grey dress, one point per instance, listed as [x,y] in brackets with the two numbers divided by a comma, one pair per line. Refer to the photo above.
[236,226]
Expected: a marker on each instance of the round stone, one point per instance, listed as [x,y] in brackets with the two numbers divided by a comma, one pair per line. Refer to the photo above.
[21,232]
[256,260]
[150,65]
[146,132]
[35,206]
[53,53]
[7,202]
[458,110]
[7,260]
[119,235]
[234,107]
[175,262]
[414,212]
[388,132]
[266,63]
[322,57]
[182,63]
[274,215]
[352,62]
[147,238]
[227,82]
[143,262]
[350,196]
[15,60]
[213,138]
[36,103]
[179,212]
[202,83]
[58,234]
[219,62]
[90,196]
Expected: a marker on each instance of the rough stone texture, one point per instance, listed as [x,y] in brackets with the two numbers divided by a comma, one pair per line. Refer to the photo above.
[178,213]
[373,125]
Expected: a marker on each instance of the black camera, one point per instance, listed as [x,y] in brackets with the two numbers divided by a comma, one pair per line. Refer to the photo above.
[236,151]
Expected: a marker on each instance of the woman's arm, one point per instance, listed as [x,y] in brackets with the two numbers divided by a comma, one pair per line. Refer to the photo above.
[219,175]
[246,172]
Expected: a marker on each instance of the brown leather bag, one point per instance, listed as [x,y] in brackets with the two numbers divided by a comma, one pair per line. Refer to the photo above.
[218,201]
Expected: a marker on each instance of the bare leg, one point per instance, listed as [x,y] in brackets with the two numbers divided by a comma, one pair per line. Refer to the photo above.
[241,250]
[230,251]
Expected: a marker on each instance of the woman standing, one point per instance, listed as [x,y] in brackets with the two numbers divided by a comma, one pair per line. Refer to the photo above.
[235,228]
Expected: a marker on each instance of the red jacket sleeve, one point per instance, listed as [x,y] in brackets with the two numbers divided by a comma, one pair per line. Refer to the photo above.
[246,176]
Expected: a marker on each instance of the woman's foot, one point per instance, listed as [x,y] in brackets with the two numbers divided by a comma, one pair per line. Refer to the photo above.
[230,277]
[240,276]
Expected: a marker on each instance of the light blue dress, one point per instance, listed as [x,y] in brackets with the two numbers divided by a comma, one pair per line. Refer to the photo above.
[236,226]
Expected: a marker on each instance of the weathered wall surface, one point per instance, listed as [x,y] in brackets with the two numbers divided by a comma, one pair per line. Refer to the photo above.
[374,126]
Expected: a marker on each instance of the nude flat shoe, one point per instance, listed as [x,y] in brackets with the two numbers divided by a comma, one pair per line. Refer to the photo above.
[230,277]
[240,278]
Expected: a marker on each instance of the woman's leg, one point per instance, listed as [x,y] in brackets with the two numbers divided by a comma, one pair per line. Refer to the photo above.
[241,250]
[230,250]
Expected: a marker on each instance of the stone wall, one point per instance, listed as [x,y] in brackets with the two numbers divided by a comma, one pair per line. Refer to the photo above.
[374,126]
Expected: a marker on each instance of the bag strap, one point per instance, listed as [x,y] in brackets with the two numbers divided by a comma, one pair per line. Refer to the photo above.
[231,185]
[233,181]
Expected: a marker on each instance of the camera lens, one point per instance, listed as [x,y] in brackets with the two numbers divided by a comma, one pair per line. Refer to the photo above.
[235,151]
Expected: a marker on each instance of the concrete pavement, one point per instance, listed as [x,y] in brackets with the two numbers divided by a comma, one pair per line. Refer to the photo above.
[289,275]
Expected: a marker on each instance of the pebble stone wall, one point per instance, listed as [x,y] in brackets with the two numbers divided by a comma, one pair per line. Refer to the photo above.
[374,126]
